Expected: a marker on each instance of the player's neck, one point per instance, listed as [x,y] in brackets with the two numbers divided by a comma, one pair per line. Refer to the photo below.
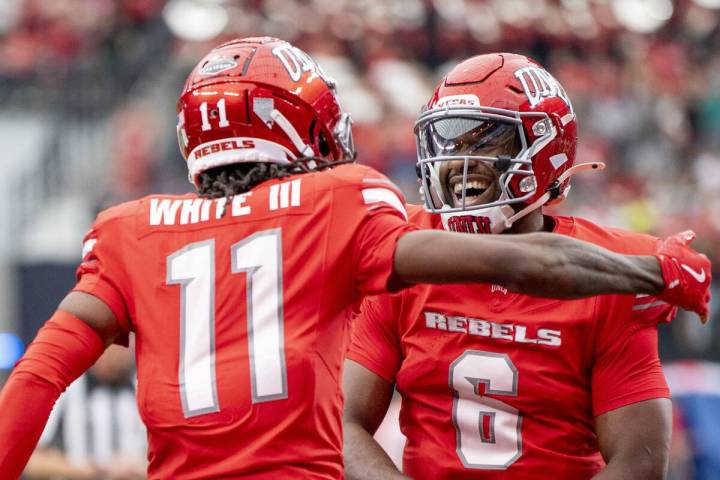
[534,222]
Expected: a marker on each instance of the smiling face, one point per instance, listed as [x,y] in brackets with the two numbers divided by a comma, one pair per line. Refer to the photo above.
[465,137]
[482,184]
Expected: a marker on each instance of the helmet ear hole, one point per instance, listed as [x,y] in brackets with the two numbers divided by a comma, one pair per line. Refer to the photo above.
[323,148]
[323,145]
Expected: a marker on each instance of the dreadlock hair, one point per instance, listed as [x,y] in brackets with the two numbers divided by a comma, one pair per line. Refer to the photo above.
[237,178]
[234,179]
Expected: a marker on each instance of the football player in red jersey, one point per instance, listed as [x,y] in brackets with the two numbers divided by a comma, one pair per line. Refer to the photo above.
[497,385]
[239,296]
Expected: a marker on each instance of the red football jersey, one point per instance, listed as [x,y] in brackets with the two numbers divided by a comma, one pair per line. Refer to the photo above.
[241,319]
[497,385]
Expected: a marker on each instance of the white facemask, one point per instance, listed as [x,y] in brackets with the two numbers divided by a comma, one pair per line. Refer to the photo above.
[498,218]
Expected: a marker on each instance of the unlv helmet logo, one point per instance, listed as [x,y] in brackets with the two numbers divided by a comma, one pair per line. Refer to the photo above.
[538,85]
[297,62]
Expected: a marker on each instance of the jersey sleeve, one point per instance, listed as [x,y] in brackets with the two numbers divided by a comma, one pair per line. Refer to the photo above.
[371,206]
[101,272]
[649,310]
[626,368]
[375,250]
[375,343]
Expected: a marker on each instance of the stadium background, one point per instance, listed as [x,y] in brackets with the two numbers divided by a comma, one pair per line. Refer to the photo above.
[87,119]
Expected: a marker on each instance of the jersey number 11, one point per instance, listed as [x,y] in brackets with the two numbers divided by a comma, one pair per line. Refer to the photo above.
[258,256]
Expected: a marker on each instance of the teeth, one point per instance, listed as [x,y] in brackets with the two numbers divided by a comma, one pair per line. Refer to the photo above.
[477,184]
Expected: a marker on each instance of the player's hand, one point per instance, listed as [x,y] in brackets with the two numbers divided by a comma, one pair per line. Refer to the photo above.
[686,273]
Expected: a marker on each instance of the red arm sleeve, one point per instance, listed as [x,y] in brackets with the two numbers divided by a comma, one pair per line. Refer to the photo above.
[375,342]
[627,366]
[62,350]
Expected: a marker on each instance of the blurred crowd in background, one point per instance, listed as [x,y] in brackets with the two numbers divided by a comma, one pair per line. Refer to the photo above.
[88,91]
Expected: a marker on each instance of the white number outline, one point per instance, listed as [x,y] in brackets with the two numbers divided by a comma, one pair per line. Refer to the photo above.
[184,285]
[486,401]
[251,272]
[252,278]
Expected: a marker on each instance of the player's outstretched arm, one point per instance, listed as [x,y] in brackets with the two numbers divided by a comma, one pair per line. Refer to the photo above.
[552,265]
[635,440]
[67,345]
[541,264]
[367,397]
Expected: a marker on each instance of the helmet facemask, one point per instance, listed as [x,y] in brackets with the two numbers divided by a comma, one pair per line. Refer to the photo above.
[469,135]
[344,137]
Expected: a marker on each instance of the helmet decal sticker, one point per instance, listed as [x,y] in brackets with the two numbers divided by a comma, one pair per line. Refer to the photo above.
[467,100]
[558,160]
[217,65]
[297,62]
[538,85]
[263,107]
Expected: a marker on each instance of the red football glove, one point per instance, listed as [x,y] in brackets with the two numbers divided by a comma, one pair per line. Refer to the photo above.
[686,273]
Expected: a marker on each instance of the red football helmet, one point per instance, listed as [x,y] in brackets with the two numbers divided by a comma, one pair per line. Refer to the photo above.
[484,100]
[260,100]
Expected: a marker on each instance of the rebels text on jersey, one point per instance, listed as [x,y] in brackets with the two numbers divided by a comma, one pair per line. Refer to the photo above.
[241,317]
[497,385]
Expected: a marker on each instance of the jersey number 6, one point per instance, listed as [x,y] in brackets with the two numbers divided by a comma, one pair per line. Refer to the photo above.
[487,430]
